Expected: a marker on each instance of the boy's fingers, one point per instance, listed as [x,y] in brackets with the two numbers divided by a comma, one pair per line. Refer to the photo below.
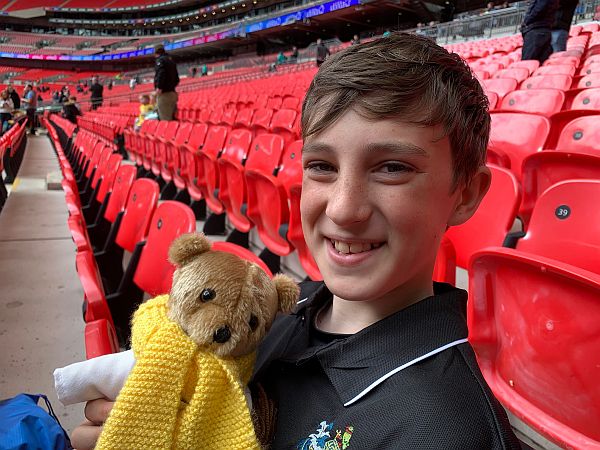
[85,436]
[97,410]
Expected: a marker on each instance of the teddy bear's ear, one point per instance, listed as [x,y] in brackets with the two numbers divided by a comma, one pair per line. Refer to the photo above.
[186,247]
[287,291]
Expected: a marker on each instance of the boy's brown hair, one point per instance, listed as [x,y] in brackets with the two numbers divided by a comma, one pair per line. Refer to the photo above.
[409,78]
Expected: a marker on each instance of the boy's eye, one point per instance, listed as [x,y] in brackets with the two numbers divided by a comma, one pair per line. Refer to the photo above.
[318,167]
[395,167]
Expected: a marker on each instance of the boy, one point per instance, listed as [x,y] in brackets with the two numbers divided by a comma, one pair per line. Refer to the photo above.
[395,134]
[146,107]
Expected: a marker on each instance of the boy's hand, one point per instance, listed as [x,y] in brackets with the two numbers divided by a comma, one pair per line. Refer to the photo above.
[85,436]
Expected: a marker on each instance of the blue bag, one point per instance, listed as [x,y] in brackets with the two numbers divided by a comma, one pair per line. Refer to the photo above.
[26,426]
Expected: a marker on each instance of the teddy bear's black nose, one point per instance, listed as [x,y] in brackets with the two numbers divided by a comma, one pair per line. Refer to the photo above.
[222,335]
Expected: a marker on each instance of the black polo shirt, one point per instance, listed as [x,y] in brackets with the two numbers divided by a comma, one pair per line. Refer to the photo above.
[409,381]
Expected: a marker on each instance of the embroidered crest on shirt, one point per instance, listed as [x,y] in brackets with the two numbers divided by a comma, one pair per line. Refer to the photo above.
[327,439]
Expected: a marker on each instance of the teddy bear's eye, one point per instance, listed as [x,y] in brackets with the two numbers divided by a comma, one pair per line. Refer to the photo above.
[253,322]
[207,295]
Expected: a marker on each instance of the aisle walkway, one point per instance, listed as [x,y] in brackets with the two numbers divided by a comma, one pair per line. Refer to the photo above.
[41,327]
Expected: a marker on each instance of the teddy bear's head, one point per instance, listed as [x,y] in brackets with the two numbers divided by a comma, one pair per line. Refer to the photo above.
[223,302]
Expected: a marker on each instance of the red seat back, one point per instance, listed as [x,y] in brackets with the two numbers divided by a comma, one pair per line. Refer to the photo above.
[244,253]
[207,170]
[492,221]
[565,224]
[154,272]
[566,69]
[536,101]
[283,122]
[141,202]
[261,121]
[500,86]
[559,81]
[587,99]
[581,135]
[124,179]
[518,135]
[533,323]
[243,119]
[589,81]
[267,198]
[108,177]
[232,182]
[516,73]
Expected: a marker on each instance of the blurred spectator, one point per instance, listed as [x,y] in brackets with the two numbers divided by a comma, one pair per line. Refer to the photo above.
[6,110]
[71,110]
[132,84]
[56,97]
[96,90]
[64,94]
[562,24]
[536,29]
[146,106]
[355,40]
[322,52]
[194,71]
[166,80]
[14,96]
[386,33]
[110,85]
[204,70]
[281,59]
[29,101]
[294,54]
[79,88]
[490,7]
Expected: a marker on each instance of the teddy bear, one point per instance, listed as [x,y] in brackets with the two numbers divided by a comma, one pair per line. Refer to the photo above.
[193,354]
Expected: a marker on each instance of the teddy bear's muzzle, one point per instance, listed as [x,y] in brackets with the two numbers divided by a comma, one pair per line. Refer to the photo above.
[222,335]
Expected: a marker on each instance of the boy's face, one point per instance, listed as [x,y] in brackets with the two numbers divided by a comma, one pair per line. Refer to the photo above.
[375,203]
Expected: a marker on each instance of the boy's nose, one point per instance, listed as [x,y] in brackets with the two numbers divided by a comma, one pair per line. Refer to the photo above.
[348,201]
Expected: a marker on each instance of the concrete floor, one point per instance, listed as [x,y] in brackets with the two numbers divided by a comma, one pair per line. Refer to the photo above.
[41,327]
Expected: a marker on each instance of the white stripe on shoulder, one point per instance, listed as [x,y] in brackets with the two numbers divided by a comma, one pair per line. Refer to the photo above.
[402,367]
[301,301]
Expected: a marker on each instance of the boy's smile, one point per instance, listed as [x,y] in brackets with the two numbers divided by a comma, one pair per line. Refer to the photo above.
[376,199]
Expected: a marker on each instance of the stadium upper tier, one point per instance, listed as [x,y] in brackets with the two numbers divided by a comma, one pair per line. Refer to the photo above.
[17,5]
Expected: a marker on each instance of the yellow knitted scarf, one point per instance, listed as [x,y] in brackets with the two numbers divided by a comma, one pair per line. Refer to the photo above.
[178,396]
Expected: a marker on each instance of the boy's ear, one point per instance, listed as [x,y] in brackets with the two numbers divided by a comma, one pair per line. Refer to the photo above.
[470,196]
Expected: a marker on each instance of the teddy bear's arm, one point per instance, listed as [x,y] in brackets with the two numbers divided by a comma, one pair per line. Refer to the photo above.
[101,377]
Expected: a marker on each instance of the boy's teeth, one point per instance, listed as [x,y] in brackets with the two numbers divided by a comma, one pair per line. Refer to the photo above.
[344,247]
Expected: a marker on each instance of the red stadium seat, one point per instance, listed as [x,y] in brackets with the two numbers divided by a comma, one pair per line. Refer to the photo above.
[566,69]
[561,82]
[517,135]
[242,252]
[565,225]
[530,64]
[587,99]
[492,221]
[581,135]
[283,122]
[516,73]
[536,101]
[544,169]
[100,339]
[233,191]
[117,198]
[185,160]
[590,69]
[533,323]
[261,121]
[159,147]
[243,119]
[589,81]
[131,227]
[267,198]
[444,270]
[500,86]
[493,99]
[206,175]
[149,269]
[169,150]
[291,177]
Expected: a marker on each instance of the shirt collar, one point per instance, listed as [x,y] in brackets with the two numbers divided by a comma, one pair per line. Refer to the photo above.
[358,363]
